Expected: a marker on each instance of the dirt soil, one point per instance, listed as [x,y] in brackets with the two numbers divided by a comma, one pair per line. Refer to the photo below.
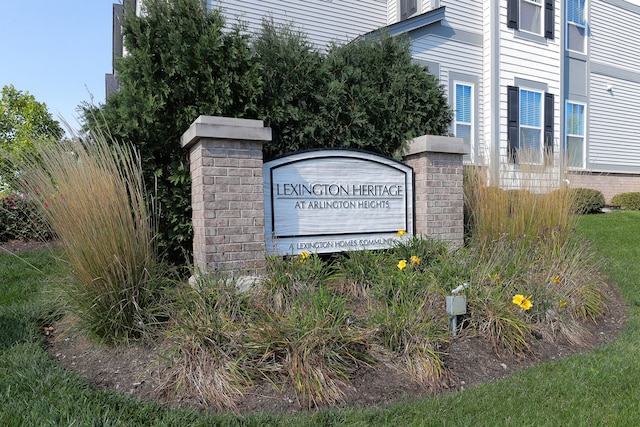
[469,361]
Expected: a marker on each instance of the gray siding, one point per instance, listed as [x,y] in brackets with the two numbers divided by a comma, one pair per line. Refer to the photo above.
[613,124]
[614,35]
[322,21]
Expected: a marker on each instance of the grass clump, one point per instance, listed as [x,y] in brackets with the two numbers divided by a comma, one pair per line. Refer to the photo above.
[204,350]
[311,346]
[531,211]
[529,274]
[93,199]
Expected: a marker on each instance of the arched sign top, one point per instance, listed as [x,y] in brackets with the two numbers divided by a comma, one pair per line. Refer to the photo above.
[336,200]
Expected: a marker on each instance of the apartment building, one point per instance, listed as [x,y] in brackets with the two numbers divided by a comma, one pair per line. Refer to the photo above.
[558,79]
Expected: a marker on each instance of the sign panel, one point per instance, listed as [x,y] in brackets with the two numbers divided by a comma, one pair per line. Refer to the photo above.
[336,200]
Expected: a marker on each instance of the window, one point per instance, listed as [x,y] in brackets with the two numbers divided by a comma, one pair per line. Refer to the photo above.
[530,120]
[576,26]
[530,115]
[532,16]
[463,108]
[408,8]
[575,131]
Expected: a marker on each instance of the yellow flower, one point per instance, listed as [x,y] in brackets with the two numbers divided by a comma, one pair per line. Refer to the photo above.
[402,264]
[303,257]
[522,301]
[556,279]
[562,304]
[414,259]
[401,233]
[517,299]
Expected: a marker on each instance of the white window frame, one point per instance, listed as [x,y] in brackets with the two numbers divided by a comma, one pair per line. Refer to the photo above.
[470,124]
[574,135]
[577,26]
[540,128]
[532,3]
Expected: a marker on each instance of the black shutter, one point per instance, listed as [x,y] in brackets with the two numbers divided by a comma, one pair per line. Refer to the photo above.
[549,18]
[513,121]
[549,114]
[513,12]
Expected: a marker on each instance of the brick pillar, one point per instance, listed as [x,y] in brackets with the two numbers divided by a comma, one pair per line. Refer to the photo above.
[438,190]
[227,193]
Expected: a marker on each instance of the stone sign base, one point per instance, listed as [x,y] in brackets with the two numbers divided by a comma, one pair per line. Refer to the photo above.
[228,191]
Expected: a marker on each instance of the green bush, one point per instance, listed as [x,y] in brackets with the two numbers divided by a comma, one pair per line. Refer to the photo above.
[20,219]
[586,201]
[181,63]
[367,94]
[630,201]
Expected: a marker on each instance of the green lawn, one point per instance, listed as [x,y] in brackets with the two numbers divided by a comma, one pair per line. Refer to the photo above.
[601,387]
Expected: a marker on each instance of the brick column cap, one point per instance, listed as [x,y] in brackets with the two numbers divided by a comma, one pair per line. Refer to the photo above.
[225,128]
[436,144]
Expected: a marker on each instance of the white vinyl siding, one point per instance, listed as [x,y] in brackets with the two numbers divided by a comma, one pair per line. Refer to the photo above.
[464,15]
[393,11]
[575,134]
[488,126]
[322,21]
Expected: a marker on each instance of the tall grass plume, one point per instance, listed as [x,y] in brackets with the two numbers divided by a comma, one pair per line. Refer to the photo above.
[93,198]
[526,200]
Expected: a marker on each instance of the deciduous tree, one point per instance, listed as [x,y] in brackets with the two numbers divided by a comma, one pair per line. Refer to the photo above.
[23,120]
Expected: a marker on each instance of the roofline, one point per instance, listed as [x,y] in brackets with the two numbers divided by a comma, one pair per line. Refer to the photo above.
[411,24]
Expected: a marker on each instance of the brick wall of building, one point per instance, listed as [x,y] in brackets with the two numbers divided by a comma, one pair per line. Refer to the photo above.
[608,184]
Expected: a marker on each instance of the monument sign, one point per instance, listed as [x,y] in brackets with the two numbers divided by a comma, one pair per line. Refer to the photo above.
[336,200]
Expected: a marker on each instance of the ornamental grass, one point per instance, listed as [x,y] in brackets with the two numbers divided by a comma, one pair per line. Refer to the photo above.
[529,272]
[204,350]
[520,202]
[93,198]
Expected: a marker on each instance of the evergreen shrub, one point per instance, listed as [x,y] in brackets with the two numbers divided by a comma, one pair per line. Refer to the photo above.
[367,95]
[629,200]
[183,61]
[586,201]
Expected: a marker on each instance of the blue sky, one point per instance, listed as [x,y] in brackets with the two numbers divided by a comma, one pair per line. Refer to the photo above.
[57,50]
